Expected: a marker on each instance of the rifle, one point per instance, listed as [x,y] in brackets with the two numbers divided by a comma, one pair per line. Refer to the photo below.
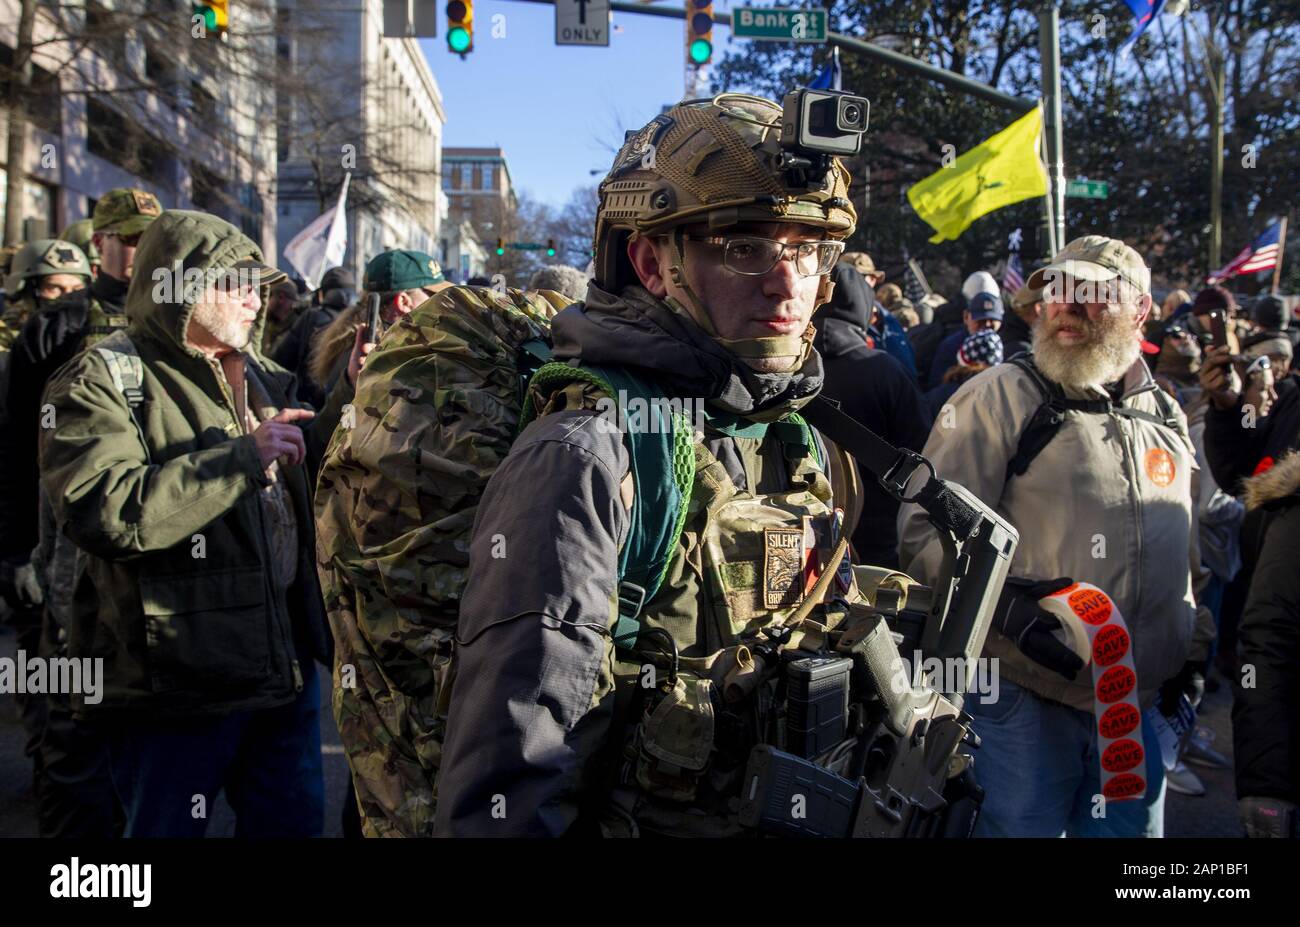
[870,753]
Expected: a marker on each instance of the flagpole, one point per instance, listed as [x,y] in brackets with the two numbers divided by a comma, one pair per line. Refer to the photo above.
[1281,251]
[340,205]
[1052,244]
[1049,53]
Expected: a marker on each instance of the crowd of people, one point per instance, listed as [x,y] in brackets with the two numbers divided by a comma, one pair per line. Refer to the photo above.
[159,458]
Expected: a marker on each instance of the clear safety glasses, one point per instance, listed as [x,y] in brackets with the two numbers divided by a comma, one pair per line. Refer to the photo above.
[753,257]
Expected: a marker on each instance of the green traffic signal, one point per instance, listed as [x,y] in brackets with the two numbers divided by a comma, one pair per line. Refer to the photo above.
[457,39]
[701,50]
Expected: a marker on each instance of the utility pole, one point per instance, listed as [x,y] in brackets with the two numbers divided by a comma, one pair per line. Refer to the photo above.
[1049,51]
[16,149]
[1217,68]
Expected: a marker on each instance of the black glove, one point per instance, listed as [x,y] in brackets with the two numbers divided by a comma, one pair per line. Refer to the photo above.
[1190,681]
[1020,618]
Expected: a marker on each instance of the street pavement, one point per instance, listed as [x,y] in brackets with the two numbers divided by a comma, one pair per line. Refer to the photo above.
[1213,815]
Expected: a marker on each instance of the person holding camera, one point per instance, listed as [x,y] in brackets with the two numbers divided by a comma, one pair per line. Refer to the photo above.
[1251,435]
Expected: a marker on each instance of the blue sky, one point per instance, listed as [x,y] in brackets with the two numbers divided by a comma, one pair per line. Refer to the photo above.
[557,110]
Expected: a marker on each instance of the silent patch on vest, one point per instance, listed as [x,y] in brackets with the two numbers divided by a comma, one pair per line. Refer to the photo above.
[783,567]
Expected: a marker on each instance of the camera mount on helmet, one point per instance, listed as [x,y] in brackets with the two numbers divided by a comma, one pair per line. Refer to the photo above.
[816,127]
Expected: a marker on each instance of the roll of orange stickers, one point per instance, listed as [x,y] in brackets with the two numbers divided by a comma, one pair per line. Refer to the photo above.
[1085,610]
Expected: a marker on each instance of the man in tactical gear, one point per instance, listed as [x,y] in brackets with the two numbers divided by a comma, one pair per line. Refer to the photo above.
[571,712]
[74,795]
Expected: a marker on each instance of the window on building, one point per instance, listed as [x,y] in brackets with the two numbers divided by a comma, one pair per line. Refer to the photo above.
[466,177]
[46,100]
[120,141]
[206,190]
[203,106]
[158,67]
[105,33]
[485,176]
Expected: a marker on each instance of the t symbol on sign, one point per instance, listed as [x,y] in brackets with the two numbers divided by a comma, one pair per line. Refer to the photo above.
[582,11]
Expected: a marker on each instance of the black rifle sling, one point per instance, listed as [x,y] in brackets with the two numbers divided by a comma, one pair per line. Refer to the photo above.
[1050,416]
[892,466]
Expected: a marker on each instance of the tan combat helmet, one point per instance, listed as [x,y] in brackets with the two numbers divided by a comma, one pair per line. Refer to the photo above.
[713,161]
[42,258]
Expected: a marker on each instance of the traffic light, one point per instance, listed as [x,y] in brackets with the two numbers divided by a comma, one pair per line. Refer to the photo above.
[460,27]
[501,246]
[215,13]
[699,31]
[550,247]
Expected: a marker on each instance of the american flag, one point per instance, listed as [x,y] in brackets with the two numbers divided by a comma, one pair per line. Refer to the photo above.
[1012,278]
[1261,254]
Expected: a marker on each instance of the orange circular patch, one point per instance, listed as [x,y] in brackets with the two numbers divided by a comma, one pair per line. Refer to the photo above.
[1091,605]
[1110,645]
[1122,755]
[1160,466]
[1125,785]
[1118,720]
[1115,684]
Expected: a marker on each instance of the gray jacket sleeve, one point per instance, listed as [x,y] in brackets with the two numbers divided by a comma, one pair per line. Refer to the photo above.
[533,695]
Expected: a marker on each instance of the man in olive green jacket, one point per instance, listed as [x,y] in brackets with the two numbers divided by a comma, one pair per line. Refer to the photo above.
[191,501]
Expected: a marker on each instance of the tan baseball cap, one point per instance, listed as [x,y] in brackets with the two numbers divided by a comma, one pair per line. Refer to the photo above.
[1026,296]
[862,263]
[1095,258]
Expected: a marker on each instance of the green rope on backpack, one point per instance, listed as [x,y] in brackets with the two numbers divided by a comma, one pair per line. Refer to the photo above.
[662,460]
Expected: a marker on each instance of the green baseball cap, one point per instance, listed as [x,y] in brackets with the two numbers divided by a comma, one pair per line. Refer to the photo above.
[125,211]
[1095,258]
[393,271]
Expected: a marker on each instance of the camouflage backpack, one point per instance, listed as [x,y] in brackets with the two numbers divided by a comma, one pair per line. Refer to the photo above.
[440,402]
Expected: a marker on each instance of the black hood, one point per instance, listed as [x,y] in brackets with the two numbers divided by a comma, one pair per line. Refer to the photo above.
[843,322]
[643,334]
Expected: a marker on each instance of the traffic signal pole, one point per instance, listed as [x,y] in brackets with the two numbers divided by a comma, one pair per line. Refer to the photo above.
[1049,49]
[957,82]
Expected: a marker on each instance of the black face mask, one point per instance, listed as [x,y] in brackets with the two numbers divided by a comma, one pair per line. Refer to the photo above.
[75,302]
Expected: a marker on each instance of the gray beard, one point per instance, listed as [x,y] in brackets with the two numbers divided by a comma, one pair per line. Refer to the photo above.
[1105,358]
[226,329]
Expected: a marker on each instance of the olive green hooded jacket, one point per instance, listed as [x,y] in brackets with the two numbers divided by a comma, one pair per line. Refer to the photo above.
[177,597]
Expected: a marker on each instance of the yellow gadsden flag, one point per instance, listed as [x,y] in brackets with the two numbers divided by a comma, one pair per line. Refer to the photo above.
[1001,170]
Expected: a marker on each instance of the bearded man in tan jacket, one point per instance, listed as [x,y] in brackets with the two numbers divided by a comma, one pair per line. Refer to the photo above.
[1081,451]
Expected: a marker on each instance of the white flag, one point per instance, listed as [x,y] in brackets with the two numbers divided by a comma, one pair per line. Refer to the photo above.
[322,244]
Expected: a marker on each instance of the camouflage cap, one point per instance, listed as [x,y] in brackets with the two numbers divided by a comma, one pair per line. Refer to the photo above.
[125,211]
[1095,258]
[393,271]
[862,263]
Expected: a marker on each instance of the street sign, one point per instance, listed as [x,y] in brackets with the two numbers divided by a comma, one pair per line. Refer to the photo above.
[1087,189]
[779,24]
[581,22]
